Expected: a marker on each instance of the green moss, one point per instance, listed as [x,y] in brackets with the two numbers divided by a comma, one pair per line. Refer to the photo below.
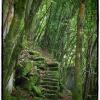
[27,66]
[19,6]
[37,90]
[10,98]
[38,98]
[34,53]
[25,42]
[10,44]
[31,82]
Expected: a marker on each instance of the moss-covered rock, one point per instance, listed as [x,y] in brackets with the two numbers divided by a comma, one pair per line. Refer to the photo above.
[33,70]
[27,66]
[24,68]
[34,53]
[31,82]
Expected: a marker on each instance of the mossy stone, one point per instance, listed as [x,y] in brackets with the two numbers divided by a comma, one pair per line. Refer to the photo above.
[27,66]
[34,53]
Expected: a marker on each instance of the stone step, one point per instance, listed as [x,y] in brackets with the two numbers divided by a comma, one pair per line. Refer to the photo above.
[49,82]
[53,69]
[53,84]
[51,96]
[53,64]
[50,75]
[50,87]
[52,72]
[49,91]
[37,58]
[50,79]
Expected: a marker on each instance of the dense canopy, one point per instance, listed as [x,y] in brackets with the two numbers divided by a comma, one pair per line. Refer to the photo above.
[50,49]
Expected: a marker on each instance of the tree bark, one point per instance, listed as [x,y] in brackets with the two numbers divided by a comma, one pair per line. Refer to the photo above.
[10,40]
[13,40]
[77,91]
[7,16]
[91,47]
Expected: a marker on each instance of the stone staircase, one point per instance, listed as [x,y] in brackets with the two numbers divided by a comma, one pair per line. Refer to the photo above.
[50,82]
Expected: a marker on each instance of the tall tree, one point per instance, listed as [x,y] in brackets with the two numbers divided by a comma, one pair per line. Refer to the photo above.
[77,91]
[16,31]
[11,40]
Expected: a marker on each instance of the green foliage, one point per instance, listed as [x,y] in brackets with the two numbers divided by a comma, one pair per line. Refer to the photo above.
[38,98]
[31,82]
[19,6]
[11,98]
[34,53]
[24,42]
[37,90]
[27,67]
[51,25]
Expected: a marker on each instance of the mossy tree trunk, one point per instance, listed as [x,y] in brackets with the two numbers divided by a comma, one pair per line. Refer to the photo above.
[11,38]
[8,13]
[77,91]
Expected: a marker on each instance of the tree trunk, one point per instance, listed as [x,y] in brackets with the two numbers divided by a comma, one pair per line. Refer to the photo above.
[91,47]
[77,91]
[13,40]
[10,40]
[7,16]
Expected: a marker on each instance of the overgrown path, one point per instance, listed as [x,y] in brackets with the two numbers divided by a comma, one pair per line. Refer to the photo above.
[47,71]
